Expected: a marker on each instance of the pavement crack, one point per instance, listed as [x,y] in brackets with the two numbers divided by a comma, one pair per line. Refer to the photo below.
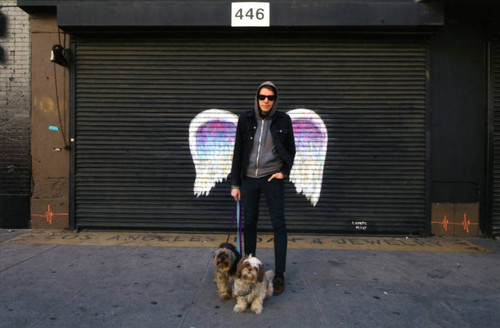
[315,302]
[68,299]
[196,294]
[28,259]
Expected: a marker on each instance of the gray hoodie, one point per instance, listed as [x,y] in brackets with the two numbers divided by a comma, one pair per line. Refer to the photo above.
[264,158]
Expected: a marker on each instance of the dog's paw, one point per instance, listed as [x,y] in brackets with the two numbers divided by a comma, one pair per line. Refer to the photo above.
[238,309]
[257,309]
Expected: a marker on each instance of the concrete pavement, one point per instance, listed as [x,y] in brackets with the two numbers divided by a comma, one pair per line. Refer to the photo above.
[94,284]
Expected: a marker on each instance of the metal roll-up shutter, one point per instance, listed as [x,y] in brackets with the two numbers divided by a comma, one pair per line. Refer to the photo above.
[495,104]
[136,96]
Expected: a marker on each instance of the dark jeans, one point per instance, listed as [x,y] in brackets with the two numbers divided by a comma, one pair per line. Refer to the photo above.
[274,192]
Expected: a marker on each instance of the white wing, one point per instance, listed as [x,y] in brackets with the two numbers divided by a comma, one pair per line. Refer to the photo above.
[211,141]
[311,139]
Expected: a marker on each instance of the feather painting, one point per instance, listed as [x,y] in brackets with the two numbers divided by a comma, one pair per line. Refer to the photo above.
[211,141]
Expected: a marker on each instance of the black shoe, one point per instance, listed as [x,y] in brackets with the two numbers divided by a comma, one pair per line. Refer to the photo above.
[278,285]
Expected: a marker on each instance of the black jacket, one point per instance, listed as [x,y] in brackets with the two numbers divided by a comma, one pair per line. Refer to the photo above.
[282,134]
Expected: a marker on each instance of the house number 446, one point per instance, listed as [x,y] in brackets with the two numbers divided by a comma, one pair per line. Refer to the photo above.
[250,14]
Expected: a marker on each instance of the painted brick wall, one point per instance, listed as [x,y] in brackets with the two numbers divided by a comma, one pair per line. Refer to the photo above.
[15,104]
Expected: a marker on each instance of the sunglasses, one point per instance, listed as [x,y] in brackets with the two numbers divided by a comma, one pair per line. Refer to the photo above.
[262,97]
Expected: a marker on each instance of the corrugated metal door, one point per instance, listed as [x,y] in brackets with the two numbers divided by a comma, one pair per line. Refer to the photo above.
[136,96]
[495,139]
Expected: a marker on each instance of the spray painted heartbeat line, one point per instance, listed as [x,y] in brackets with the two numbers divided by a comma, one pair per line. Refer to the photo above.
[49,215]
[465,223]
[445,223]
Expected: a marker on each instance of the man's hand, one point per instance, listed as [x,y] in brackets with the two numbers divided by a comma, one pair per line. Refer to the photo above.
[236,194]
[278,175]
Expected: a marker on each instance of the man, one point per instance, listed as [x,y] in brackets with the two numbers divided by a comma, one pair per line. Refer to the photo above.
[264,150]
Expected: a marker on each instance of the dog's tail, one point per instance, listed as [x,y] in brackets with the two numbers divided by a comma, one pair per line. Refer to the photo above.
[268,279]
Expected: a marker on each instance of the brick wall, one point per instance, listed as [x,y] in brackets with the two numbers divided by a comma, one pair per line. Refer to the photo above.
[15,104]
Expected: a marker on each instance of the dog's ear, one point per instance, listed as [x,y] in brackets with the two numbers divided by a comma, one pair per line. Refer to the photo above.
[239,268]
[260,277]
[235,260]
[215,255]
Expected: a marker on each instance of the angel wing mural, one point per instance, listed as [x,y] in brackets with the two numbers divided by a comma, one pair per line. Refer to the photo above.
[311,139]
[211,141]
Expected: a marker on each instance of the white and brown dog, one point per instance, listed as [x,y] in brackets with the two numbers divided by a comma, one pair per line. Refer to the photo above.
[252,285]
[225,261]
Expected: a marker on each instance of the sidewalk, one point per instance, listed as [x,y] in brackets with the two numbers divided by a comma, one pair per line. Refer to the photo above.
[92,284]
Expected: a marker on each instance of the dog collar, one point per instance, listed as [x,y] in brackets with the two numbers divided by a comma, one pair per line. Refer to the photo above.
[252,286]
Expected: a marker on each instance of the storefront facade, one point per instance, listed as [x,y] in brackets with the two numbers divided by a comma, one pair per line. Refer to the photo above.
[142,77]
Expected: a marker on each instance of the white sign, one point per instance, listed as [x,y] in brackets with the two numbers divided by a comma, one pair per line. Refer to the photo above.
[250,14]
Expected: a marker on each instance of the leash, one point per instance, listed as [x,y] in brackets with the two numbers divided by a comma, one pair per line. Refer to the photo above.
[236,216]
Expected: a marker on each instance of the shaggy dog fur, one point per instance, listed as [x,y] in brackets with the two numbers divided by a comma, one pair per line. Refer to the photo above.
[225,261]
[252,285]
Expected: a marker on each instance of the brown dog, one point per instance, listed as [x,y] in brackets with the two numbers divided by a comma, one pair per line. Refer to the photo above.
[226,259]
[252,285]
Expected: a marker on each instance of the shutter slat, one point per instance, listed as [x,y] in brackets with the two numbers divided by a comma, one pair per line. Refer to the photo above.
[495,94]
